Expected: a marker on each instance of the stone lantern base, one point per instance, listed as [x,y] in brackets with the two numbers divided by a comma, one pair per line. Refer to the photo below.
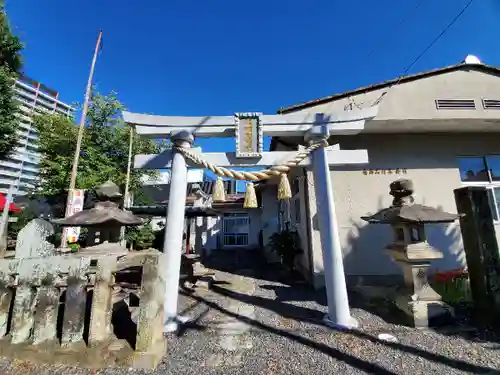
[416,298]
[424,314]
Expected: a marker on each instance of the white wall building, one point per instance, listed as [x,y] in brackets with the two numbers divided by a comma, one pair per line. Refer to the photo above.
[22,165]
[439,128]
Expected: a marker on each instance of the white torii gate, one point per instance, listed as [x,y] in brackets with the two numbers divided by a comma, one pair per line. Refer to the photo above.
[182,130]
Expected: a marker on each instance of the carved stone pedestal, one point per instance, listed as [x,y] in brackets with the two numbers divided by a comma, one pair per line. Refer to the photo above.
[416,298]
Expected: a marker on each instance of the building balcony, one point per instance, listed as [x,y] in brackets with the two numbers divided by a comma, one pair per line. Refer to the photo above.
[15,174]
[17,166]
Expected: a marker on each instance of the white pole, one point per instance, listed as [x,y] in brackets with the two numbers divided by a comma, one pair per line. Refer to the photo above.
[174,229]
[339,316]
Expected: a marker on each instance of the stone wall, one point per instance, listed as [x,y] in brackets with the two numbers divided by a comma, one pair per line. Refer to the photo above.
[72,308]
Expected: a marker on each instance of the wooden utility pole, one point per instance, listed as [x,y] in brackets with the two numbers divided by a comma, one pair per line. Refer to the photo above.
[80,137]
[126,195]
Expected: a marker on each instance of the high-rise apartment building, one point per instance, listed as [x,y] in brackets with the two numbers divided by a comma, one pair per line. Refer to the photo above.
[21,168]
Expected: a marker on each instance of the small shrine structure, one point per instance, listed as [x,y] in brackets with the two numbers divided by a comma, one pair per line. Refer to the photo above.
[413,253]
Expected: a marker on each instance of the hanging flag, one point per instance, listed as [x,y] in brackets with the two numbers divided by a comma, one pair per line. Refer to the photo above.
[77,200]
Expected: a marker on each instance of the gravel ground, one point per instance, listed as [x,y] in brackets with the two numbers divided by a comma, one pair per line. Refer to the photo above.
[254,326]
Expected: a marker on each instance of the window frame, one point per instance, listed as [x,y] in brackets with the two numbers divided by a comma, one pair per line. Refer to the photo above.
[494,203]
[491,184]
[236,233]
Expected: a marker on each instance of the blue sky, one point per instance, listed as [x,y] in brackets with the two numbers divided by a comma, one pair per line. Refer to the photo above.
[219,57]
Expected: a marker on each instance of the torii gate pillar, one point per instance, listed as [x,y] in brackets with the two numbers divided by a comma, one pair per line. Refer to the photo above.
[338,315]
[174,230]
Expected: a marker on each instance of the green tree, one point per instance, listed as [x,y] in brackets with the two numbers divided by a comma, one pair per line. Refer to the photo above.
[140,238]
[104,151]
[10,66]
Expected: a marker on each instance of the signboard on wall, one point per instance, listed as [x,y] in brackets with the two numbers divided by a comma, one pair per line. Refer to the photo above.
[77,199]
[249,135]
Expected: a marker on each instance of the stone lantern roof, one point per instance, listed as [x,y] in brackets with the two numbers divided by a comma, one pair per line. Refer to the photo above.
[105,213]
[404,210]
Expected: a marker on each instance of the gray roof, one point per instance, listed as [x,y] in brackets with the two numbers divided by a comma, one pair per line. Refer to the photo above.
[103,213]
[415,213]
[412,77]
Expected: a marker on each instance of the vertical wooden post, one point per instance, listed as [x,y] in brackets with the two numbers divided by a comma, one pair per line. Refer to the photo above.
[74,169]
[481,250]
[126,194]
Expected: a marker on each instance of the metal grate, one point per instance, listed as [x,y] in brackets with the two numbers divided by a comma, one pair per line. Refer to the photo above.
[235,230]
[235,239]
[491,104]
[455,104]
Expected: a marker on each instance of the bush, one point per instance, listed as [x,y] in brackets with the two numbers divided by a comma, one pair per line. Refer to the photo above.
[453,286]
[287,245]
[140,238]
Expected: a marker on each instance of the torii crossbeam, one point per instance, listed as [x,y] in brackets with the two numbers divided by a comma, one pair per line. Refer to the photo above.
[249,129]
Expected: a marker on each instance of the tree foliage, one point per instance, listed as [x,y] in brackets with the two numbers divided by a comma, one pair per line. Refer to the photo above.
[140,238]
[104,150]
[23,218]
[10,45]
[10,65]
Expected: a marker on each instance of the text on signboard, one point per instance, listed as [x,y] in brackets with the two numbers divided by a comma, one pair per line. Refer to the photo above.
[385,171]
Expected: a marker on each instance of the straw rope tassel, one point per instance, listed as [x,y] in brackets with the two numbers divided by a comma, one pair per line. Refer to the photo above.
[219,193]
[250,196]
[284,189]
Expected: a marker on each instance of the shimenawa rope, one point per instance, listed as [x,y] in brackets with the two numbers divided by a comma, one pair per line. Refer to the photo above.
[264,174]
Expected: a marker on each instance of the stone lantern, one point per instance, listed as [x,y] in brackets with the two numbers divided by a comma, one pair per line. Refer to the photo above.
[105,220]
[413,253]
